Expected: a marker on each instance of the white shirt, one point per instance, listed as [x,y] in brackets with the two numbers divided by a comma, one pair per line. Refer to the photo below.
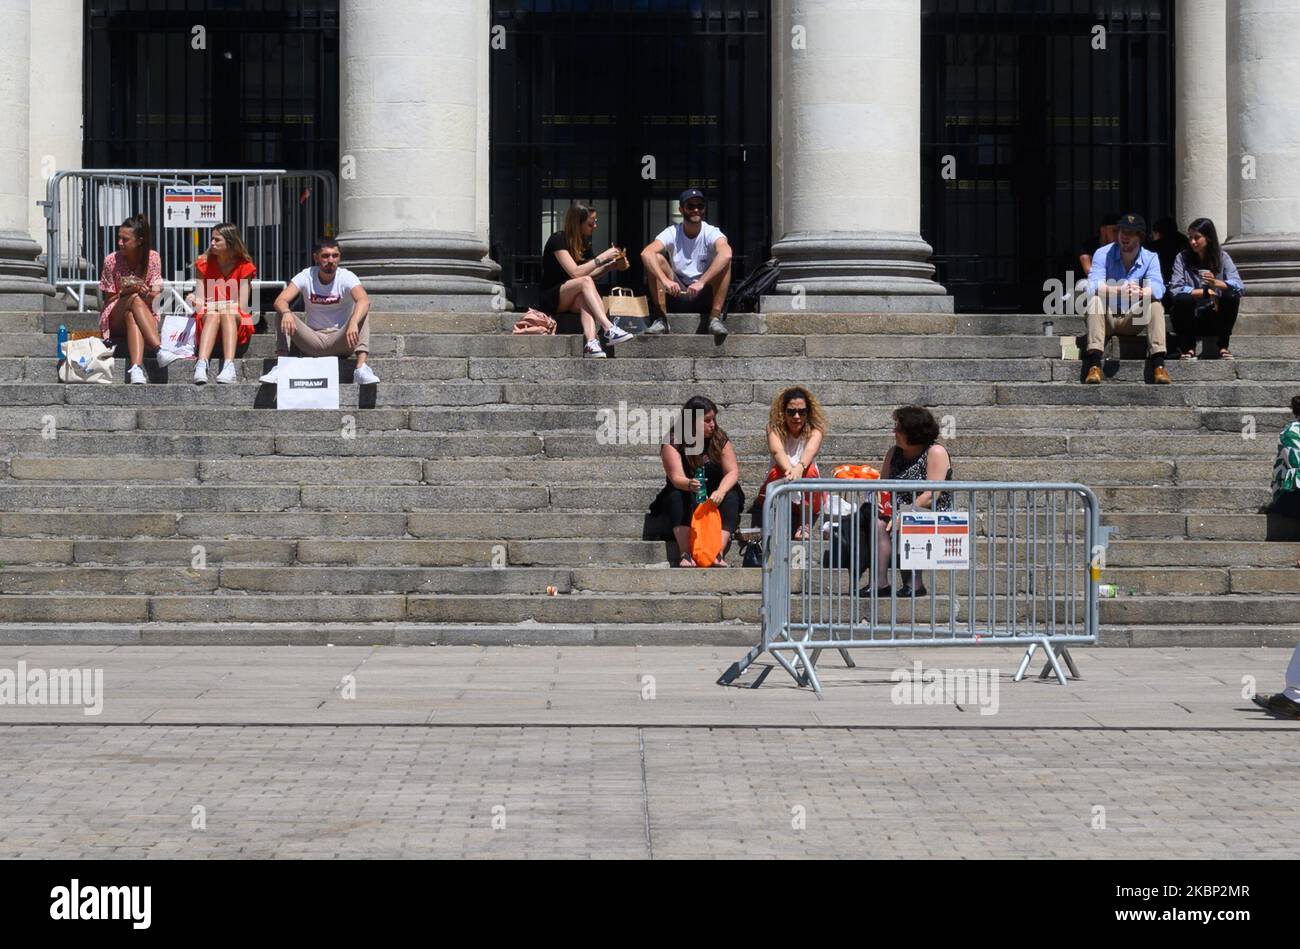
[327,305]
[690,255]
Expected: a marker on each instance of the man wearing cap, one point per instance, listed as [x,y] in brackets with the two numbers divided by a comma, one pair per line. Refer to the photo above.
[1124,292]
[688,268]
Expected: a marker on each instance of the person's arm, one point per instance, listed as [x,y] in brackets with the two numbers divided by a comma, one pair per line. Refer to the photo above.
[108,289]
[593,268]
[246,292]
[1097,273]
[672,461]
[199,297]
[1153,280]
[282,304]
[810,450]
[1231,277]
[937,466]
[1179,282]
[1085,264]
[153,281]
[721,261]
[655,262]
[730,474]
[360,307]
[776,445]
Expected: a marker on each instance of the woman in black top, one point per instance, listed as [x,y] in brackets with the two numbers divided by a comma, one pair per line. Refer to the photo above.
[568,277]
[916,456]
[696,442]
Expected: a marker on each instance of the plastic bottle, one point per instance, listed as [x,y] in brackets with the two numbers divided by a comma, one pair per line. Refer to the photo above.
[61,353]
[1107,591]
[702,492]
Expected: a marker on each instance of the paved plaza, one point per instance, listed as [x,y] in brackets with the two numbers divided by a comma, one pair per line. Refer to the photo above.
[637,753]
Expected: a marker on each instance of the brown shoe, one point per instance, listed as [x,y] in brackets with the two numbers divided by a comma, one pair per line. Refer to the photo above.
[1094,377]
[1160,377]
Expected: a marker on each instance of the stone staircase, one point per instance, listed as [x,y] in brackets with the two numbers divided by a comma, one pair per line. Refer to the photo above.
[441,505]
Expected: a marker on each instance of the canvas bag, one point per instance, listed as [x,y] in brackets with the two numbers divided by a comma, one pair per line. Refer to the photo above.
[706,534]
[622,302]
[88,360]
[177,334]
[534,323]
[307,382]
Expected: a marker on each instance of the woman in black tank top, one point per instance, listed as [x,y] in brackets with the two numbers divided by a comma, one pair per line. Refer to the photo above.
[916,456]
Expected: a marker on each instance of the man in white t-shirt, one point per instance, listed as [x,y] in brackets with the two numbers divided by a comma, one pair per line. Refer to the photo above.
[335,307]
[688,268]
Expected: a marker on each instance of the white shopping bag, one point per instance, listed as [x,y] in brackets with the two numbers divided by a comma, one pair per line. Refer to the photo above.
[88,360]
[307,383]
[177,334]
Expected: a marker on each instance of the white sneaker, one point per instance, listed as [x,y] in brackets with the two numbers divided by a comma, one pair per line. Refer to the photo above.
[166,357]
[201,372]
[593,350]
[136,377]
[614,335]
[272,377]
[365,376]
[227,375]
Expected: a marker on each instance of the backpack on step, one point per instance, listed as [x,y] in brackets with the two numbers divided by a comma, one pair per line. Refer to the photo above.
[534,323]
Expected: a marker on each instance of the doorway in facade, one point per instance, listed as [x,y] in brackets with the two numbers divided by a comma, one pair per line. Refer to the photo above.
[1045,116]
[623,106]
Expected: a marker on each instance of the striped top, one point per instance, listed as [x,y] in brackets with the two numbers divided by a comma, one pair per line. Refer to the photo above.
[1286,470]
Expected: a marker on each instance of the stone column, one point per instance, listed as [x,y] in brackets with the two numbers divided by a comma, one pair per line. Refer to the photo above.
[22,280]
[1264,142]
[1201,135]
[847,175]
[414,146]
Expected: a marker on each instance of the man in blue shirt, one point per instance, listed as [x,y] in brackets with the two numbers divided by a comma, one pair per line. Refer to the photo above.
[1125,288]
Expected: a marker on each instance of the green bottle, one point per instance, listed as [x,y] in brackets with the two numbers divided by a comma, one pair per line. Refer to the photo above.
[702,492]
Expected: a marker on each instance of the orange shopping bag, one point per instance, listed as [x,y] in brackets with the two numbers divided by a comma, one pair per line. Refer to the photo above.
[867,473]
[706,534]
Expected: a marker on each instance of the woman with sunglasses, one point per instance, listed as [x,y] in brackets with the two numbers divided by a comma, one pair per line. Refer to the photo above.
[796,426]
[569,272]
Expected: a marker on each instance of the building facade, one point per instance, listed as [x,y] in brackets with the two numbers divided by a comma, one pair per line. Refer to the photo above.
[907,154]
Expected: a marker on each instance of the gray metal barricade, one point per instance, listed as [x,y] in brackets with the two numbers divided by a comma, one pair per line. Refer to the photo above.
[1027,574]
[279,213]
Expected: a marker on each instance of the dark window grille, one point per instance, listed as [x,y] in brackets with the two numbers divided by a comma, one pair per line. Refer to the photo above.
[585,89]
[263,94]
[1048,134]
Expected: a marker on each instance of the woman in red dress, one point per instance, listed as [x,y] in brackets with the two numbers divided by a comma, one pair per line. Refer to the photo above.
[224,278]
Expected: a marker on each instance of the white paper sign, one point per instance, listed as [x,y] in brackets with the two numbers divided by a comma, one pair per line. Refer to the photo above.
[193,205]
[934,540]
[307,383]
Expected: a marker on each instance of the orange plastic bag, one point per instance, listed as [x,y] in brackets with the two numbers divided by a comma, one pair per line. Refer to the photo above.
[867,473]
[706,534]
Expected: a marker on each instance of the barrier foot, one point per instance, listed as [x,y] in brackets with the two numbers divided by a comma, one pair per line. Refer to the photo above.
[1024,662]
[1052,666]
[810,672]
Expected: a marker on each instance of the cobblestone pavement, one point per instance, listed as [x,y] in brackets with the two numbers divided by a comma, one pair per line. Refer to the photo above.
[403,791]
[1151,755]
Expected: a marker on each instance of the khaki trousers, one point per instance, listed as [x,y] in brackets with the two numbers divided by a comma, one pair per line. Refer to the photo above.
[311,342]
[1103,324]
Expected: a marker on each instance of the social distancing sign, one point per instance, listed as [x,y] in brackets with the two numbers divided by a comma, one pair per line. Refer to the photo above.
[934,540]
[193,205]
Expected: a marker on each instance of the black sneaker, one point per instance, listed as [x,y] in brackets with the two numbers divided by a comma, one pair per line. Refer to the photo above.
[1279,705]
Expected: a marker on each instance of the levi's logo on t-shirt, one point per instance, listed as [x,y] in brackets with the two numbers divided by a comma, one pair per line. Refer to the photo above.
[326,299]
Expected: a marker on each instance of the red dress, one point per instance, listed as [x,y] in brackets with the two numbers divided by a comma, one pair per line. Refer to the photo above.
[221,287]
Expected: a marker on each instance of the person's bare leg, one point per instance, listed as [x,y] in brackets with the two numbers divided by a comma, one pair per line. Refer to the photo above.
[208,337]
[229,335]
[721,285]
[884,556]
[572,300]
[682,534]
[594,304]
[147,322]
[726,539]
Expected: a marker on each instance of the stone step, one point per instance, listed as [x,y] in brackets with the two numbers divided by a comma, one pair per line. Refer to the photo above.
[984,420]
[158,580]
[452,498]
[1250,322]
[74,447]
[1220,634]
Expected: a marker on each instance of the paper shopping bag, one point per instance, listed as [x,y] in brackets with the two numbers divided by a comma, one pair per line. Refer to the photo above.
[307,383]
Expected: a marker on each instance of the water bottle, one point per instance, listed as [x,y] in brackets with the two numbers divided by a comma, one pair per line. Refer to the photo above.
[702,492]
[62,352]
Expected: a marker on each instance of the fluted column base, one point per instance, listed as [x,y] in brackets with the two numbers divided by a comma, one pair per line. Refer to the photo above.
[424,270]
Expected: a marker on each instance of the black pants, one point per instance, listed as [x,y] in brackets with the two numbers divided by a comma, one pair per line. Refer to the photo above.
[680,505]
[1188,325]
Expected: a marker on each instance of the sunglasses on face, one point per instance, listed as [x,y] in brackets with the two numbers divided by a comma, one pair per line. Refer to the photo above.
[796,411]
[695,207]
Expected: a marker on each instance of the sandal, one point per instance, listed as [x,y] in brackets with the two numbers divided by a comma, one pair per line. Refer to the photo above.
[1224,354]
[720,562]
[1188,354]
[686,562]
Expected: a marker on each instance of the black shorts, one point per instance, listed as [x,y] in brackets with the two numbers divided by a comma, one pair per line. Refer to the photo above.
[701,303]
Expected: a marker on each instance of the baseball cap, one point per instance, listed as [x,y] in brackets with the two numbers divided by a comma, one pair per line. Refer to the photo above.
[1132,222]
[690,193]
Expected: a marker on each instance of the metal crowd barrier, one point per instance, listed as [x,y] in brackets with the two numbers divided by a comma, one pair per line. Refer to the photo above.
[1011,563]
[279,213]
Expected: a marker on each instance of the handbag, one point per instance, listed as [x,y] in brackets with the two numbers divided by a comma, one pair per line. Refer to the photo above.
[178,333]
[88,360]
[534,323]
[622,302]
[706,534]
